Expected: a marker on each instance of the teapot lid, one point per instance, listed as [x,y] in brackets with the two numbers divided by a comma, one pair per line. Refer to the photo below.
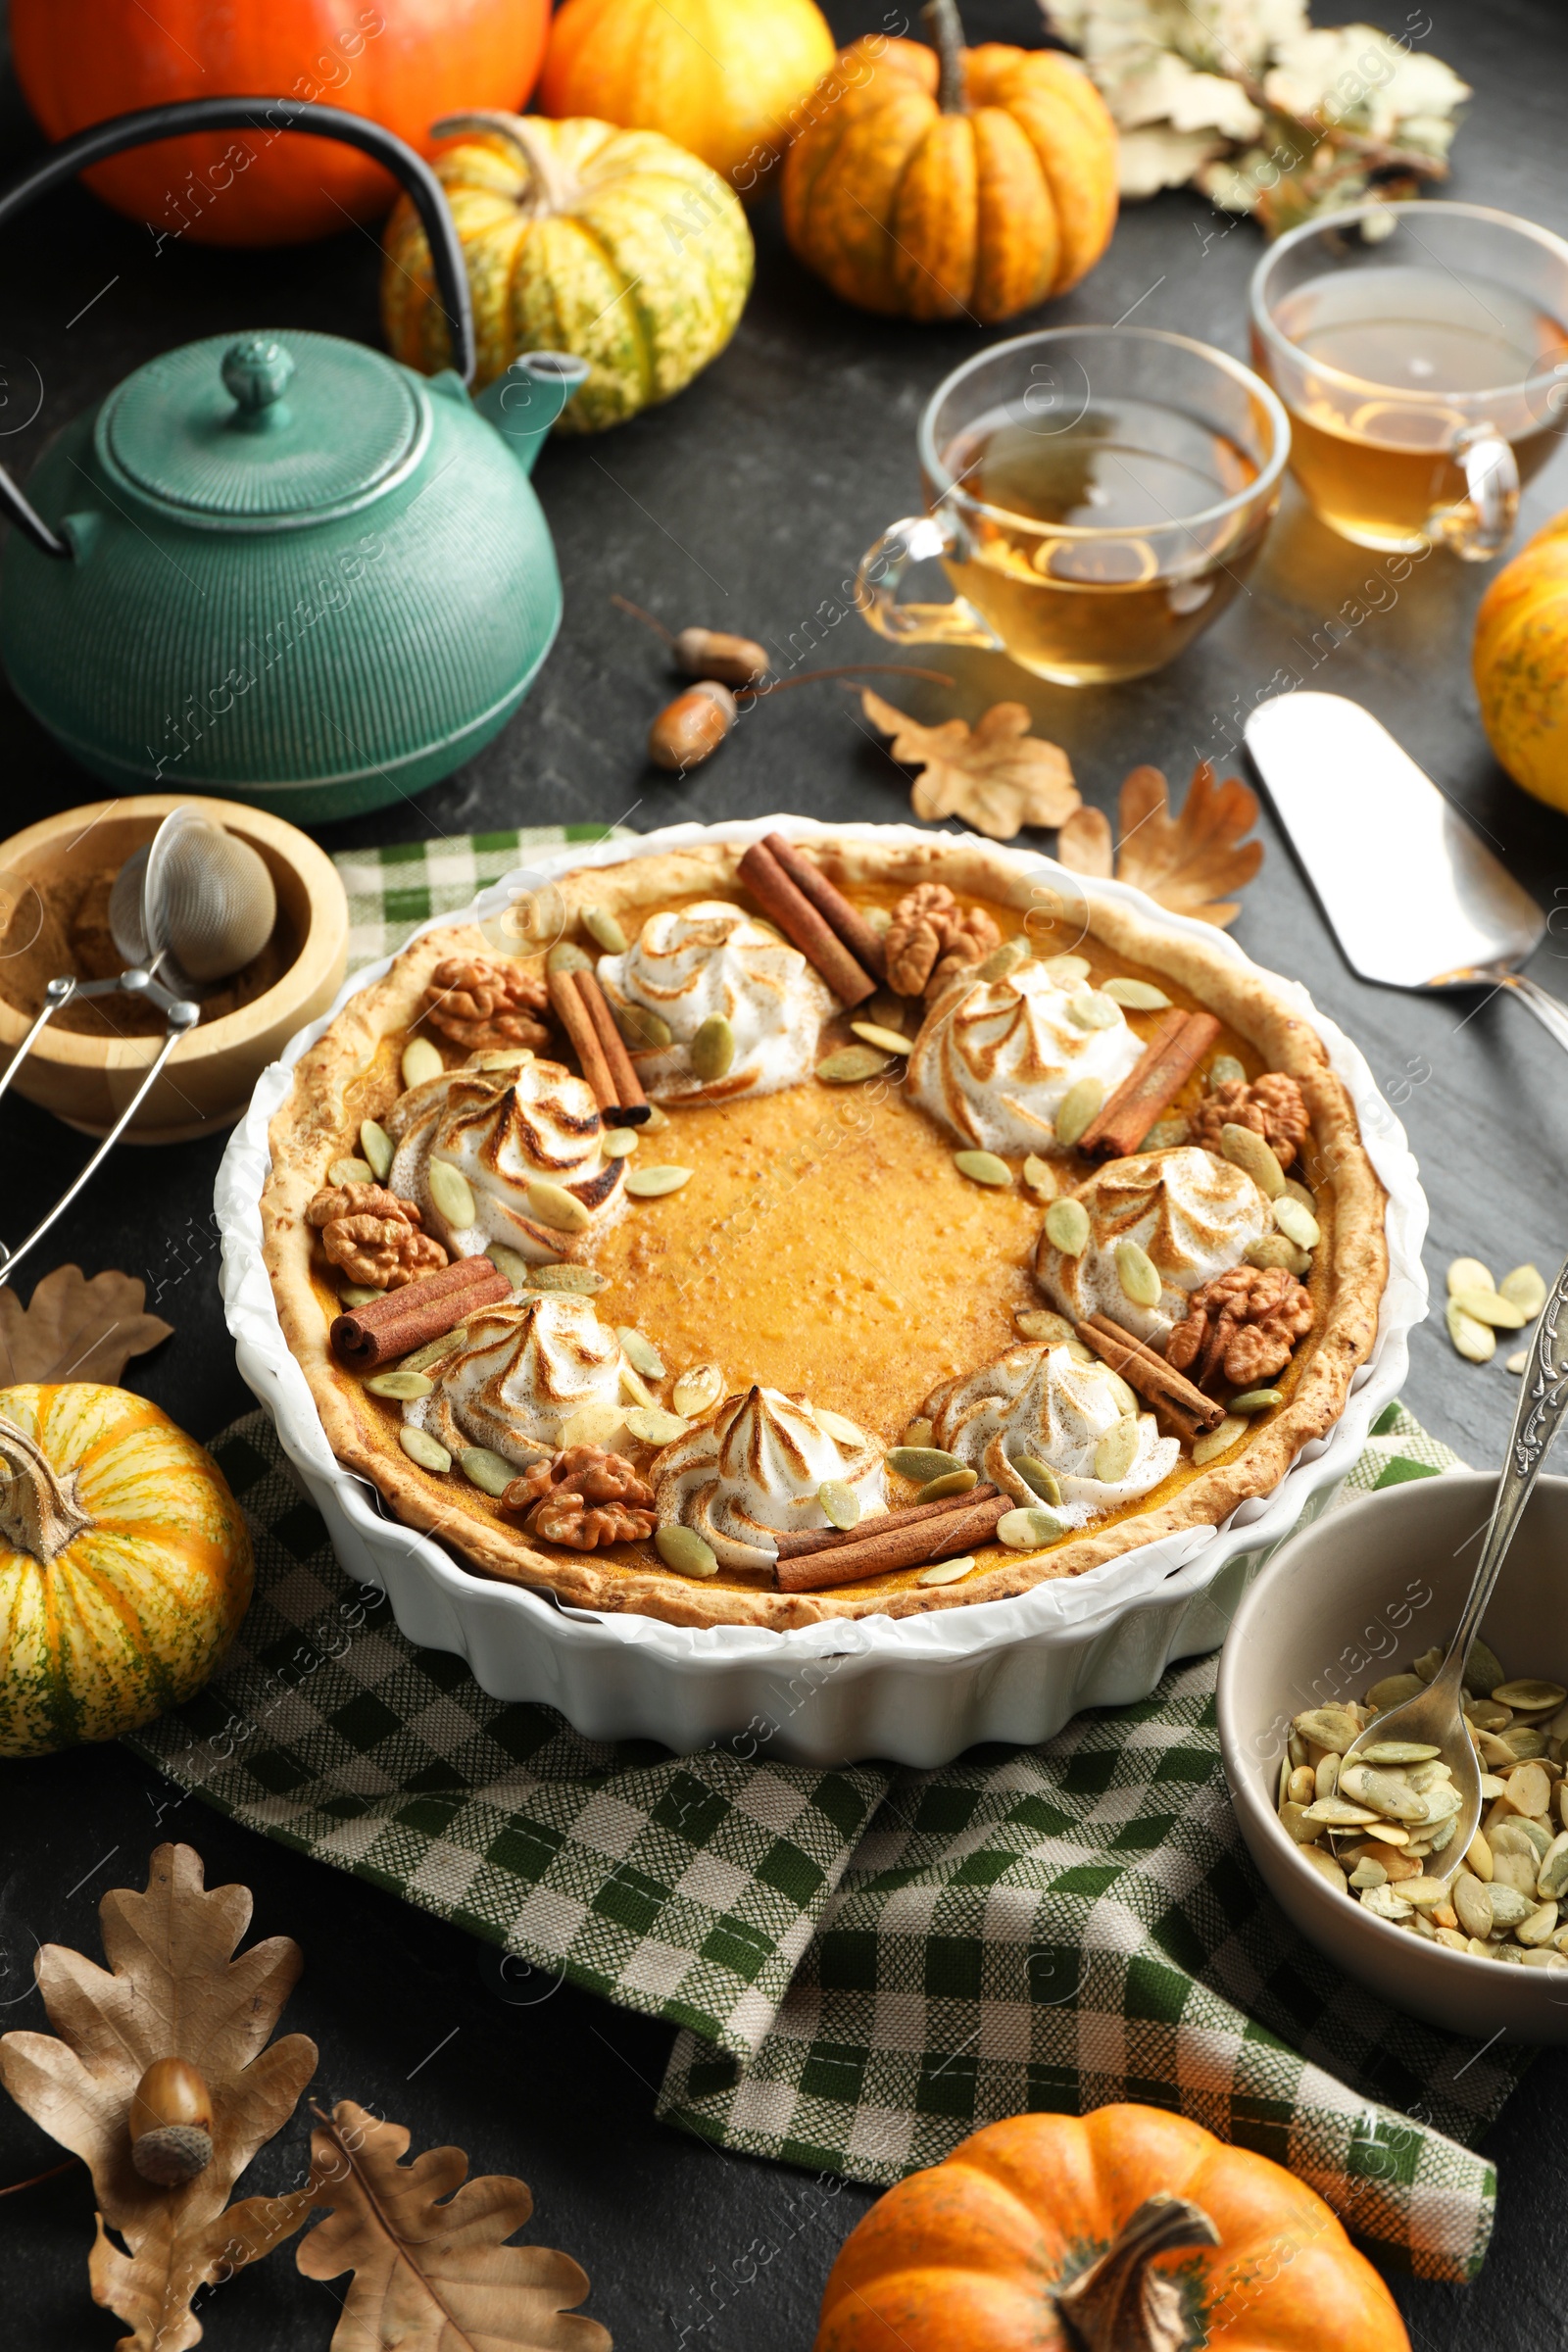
[264,433]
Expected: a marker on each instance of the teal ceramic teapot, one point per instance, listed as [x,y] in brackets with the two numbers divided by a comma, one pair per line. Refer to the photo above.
[282,567]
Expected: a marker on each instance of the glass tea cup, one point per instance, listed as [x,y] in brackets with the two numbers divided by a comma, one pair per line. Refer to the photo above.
[1422,352]
[1096,494]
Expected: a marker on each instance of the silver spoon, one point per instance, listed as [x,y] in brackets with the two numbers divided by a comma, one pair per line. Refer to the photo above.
[1435,1719]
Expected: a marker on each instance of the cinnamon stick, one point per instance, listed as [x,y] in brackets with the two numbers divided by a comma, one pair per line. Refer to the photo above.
[1149,1373]
[572,1014]
[631,1104]
[789,907]
[907,1547]
[833,1538]
[385,1329]
[830,903]
[1163,1069]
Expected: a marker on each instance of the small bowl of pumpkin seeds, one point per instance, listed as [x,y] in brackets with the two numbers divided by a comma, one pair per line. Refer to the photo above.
[1348,1618]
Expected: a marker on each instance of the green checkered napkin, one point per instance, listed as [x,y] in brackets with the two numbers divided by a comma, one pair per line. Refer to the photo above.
[867,1963]
[392,890]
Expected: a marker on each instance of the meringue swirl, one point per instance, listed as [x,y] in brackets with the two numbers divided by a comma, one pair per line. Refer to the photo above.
[502,1131]
[521,1374]
[1194,1214]
[753,1472]
[696,963]
[994,1058]
[1038,1400]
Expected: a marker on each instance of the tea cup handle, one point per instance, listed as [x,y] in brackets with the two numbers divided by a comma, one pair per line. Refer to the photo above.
[1481,525]
[915,540]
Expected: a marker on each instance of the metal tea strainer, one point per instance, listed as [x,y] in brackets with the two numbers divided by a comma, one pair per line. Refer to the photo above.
[191,909]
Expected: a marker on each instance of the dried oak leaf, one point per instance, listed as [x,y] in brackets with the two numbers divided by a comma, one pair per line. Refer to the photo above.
[1184,862]
[432,2272]
[73,1329]
[173,1989]
[996,775]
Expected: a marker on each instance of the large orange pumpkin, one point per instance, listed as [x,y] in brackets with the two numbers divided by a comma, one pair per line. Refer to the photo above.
[1126,2230]
[1520,660]
[401,62]
[973,185]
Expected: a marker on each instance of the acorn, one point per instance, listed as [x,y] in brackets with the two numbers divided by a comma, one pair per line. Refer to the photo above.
[172,2123]
[713,653]
[691,728]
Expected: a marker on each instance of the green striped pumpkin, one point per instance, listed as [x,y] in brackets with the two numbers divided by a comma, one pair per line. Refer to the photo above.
[614,245]
[124,1565]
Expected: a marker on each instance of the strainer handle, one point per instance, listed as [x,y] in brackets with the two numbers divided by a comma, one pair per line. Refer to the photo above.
[153,122]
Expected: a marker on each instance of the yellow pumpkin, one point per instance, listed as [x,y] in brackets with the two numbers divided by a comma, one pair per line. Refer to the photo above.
[124,1565]
[1520,660]
[614,245]
[725,78]
[973,185]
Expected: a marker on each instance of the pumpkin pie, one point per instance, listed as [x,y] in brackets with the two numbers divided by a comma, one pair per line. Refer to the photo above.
[771,1287]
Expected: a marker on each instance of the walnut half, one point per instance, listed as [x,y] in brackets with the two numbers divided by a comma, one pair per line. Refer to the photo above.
[582,1497]
[931,937]
[1271,1106]
[374,1236]
[476,1004]
[1244,1324]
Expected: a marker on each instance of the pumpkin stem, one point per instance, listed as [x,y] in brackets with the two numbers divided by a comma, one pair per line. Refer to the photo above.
[945,29]
[552,188]
[38,1513]
[1119,2304]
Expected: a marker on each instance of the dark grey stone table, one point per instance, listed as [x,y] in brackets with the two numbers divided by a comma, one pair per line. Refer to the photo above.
[745,504]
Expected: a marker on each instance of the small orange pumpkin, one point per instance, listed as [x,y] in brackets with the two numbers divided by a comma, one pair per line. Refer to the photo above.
[1125,2230]
[969,185]
[1520,660]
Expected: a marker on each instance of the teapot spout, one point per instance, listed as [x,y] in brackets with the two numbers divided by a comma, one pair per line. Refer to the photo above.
[525,403]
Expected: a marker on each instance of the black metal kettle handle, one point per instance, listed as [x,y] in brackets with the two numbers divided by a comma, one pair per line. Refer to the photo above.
[153,122]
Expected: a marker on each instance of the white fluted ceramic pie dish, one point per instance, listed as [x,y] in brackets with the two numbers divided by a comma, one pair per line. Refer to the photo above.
[917,1690]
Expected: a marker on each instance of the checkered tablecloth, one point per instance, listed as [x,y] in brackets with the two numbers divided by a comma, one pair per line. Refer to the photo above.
[392,890]
[865,1964]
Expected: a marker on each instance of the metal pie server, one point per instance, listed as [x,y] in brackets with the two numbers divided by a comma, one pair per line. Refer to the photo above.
[1414,897]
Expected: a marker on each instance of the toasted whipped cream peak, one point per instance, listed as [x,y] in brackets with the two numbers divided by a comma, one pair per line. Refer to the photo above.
[994,1058]
[1040,1402]
[1195,1215]
[503,1130]
[693,964]
[752,1472]
[521,1375]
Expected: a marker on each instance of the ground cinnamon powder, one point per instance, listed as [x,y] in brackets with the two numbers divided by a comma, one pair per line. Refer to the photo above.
[61,926]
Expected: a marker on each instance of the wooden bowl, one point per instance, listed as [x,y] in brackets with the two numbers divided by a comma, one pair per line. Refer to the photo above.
[86,1081]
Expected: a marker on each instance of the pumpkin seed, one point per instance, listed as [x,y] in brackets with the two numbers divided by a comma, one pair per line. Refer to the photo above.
[451,1194]
[951,1482]
[1166,1135]
[918,1433]
[1472,1338]
[1257,1401]
[1472,1901]
[683,1550]
[652,1184]
[1039,1323]
[422,1059]
[617,1142]
[1297,1224]
[1079,1106]
[421,1447]
[699,1389]
[634,1389]
[1525,1288]
[1528,1790]
[1038,1475]
[1537,1928]
[351,1171]
[1551,1880]
[1393,1690]
[655,1118]
[1092,1009]
[500,1058]
[1483,1670]
[1002,960]
[713,1048]
[1518,1364]
[375,1147]
[850,1064]
[891,1041]
[642,1030]
[641,1352]
[842,1432]
[1226,1070]
[603,928]
[553,1206]
[595,1425]
[1214,1442]
[357,1293]
[1028,1530]
[1383,1792]
[491,1473]
[1384,1903]
[1275,1250]
[1328,1726]
[1139,996]
[983,1167]
[434,1351]
[1488,1306]
[948,1572]
[1137,1275]
[567,957]
[654,1426]
[1529,1695]
[405,1385]
[1398,1752]
[1068,1227]
[509,1262]
[1041,1177]
[1066,970]
[922,1461]
[584,1281]
[1248,1151]
[1469,1274]
[840,1502]
[1338,1813]
[1127,1401]
[1508,1906]
[1116,1452]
